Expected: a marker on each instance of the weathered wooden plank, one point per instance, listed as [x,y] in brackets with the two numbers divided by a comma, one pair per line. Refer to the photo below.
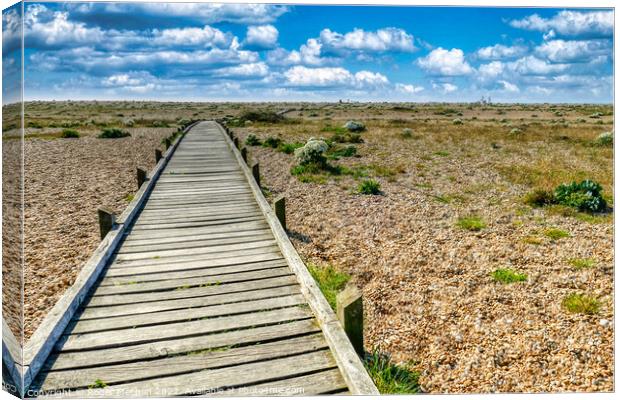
[180,218]
[127,337]
[225,260]
[196,242]
[167,348]
[184,303]
[184,283]
[217,238]
[220,248]
[329,381]
[197,272]
[195,361]
[197,224]
[188,314]
[236,227]
[206,382]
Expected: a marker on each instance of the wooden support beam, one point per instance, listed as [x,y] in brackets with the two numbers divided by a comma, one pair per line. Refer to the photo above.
[158,155]
[140,176]
[350,311]
[256,173]
[244,154]
[279,205]
[106,221]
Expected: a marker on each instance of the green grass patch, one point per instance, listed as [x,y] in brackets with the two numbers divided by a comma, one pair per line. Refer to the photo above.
[369,186]
[99,384]
[272,142]
[441,153]
[69,134]
[471,223]
[582,263]
[289,148]
[113,133]
[389,377]
[337,152]
[555,233]
[581,304]
[129,198]
[506,275]
[330,281]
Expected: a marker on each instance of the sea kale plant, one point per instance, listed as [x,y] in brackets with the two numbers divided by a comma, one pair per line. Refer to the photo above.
[313,152]
[585,196]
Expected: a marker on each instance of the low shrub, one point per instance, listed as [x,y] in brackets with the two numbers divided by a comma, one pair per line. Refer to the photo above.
[605,139]
[313,152]
[272,142]
[347,137]
[457,121]
[289,148]
[506,275]
[407,133]
[354,126]
[337,152]
[252,140]
[113,133]
[580,303]
[69,134]
[261,116]
[369,186]
[539,198]
[585,196]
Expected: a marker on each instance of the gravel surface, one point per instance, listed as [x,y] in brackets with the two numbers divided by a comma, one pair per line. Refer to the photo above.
[428,291]
[67,180]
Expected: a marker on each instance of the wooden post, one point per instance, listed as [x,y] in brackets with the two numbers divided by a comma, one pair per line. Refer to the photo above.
[244,154]
[350,311]
[256,173]
[236,142]
[279,206]
[168,143]
[106,221]
[158,155]
[141,176]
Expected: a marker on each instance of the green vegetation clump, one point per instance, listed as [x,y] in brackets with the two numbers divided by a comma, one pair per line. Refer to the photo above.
[289,148]
[330,281]
[252,140]
[605,139]
[582,263]
[539,198]
[113,133]
[369,186]
[69,134]
[337,152]
[471,223]
[581,303]
[457,121]
[584,196]
[354,126]
[261,116]
[99,384]
[506,275]
[556,234]
[407,133]
[391,378]
[272,142]
[313,152]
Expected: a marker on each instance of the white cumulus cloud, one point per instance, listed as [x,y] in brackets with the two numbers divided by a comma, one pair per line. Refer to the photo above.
[407,88]
[263,36]
[332,77]
[570,23]
[500,52]
[574,50]
[382,40]
[444,62]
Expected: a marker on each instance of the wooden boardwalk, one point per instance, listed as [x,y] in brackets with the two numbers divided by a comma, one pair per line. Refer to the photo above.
[198,299]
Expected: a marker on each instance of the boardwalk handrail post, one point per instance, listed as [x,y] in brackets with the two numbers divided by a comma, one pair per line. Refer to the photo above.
[158,155]
[350,312]
[256,173]
[244,154]
[236,142]
[140,176]
[168,143]
[279,205]
[107,220]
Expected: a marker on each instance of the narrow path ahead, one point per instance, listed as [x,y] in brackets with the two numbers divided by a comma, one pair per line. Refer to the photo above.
[199,298]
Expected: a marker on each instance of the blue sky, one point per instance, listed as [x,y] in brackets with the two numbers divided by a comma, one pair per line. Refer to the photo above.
[263,52]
